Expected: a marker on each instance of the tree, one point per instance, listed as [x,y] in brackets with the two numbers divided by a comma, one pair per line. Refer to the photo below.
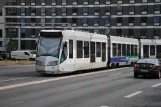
[12,45]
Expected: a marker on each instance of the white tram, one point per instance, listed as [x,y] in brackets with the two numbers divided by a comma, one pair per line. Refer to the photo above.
[63,51]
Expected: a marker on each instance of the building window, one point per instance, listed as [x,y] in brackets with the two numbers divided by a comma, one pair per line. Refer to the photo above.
[131,21]
[156,33]
[131,10]
[131,33]
[96,21]
[64,10]
[157,9]
[85,21]
[23,32]
[23,2]
[157,1]
[33,2]
[64,20]
[52,21]
[75,2]
[119,21]
[107,21]
[1,33]
[144,9]
[119,1]
[43,22]
[96,11]
[63,2]
[85,11]
[143,21]
[86,49]
[131,1]
[74,11]
[143,33]
[53,11]
[97,2]
[144,1]
[53,2]
[156,20]
[107,10]
[74,21]
[33,11]
[85,2]
[43,2]
[22,11]
[0,43]
[108,1]
[119,10]
[43,11]
[119,32]
[79,49]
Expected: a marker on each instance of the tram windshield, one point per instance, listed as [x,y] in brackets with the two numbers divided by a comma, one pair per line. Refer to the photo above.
[49,45]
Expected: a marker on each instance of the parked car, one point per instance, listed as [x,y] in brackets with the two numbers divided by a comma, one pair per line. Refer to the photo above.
[147,66]
[3,55]
[23,55]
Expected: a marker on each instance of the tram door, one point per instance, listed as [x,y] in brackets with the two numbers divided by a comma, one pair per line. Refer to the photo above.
[92,54]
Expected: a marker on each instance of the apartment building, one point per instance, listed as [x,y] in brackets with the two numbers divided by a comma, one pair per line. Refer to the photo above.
[130,18]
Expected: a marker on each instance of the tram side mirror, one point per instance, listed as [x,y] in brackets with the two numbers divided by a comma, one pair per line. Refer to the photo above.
[65,44]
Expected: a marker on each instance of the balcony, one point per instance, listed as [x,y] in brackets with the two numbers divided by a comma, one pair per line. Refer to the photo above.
[108,2]
[74,14]
[119,13]
[53,4]
[132,1]
[96,24]
[156,12]
[32,14]
[74,24]
[85,3]
[33,4]
[23,4]
[97,3]
[144,12]
[131,24]
[119,2]
[64,3]
[84,24]
[96,13]
[131,13]
[157,1]
[119,24]
[43,4]
[156,24]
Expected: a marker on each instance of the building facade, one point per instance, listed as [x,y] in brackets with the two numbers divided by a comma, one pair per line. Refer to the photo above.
[130,18]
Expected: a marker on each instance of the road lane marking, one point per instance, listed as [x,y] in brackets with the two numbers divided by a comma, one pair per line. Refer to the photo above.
[19,102]
[14,79]
[133,94]
[54,79]
[104,106]
[115,74]
[156,85]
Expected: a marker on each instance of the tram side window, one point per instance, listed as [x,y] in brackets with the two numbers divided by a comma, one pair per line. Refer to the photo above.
[86,49]
[123,50]
[152,49]
[98,49]
[114,46]
[136,50]
[79,49]
[158,51]
[119,50]
[103,51]
[93,52]
[128,50]
[146,51]
[132,50]
[70,48]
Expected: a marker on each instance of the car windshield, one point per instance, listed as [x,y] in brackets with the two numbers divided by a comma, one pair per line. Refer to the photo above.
[49,46]
[152,61]
[33,52]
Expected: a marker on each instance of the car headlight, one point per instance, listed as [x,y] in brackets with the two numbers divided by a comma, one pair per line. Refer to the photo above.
[39,62]
[53,63]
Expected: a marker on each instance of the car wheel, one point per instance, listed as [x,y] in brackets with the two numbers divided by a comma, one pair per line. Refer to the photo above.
[158,76]
[135,75]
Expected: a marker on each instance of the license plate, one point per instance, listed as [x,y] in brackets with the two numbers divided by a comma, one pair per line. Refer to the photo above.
[144,70]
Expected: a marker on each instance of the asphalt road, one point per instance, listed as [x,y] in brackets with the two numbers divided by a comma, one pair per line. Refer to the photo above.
[23,87]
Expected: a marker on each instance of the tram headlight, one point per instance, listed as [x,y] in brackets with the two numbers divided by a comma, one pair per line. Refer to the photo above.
[53,63]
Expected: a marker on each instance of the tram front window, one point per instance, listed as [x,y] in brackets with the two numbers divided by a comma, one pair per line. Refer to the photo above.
[49,46]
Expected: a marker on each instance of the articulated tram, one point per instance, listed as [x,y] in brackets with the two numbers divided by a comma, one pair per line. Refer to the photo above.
[63,51]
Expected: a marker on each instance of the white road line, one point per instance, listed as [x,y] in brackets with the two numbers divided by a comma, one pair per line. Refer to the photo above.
[13,104]
[14,79]
[156,85]
[54,79]
[133,94]
[116,74]
[104,106]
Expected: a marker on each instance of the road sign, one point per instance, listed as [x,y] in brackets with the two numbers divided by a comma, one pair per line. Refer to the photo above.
[6,41]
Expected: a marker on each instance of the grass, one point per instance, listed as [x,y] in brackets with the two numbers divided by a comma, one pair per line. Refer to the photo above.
[21,62]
